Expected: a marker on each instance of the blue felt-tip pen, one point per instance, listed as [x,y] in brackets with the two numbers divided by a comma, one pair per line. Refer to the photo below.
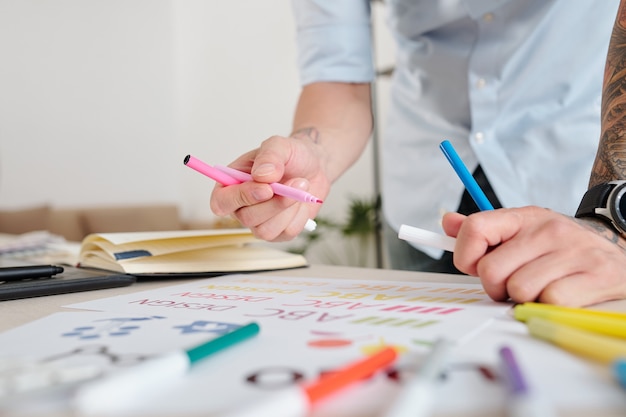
[619,371]
[470,183]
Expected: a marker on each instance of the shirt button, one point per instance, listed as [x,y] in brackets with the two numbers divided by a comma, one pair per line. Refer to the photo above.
[479,137]
[488,17]
[480,83]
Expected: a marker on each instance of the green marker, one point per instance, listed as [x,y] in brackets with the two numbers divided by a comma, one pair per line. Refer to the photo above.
[240,334]
[119,391]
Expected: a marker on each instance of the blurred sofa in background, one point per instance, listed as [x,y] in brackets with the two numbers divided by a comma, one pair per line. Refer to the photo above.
[75,223]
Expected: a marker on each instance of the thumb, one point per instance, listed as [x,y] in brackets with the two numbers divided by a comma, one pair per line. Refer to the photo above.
[452,222]
[271,159]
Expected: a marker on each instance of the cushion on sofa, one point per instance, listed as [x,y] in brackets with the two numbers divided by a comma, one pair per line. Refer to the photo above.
[131,219]
[24,220]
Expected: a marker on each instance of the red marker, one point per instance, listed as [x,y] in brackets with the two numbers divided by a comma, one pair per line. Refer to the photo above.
[299,400]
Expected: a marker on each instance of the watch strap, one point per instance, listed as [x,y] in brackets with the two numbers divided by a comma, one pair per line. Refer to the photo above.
[595,197]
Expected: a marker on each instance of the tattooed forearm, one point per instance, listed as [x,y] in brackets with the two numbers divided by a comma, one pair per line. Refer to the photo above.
[610,163]
[310,133]
[603,229]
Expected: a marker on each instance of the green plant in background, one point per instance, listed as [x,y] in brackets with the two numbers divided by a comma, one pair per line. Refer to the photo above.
[345,243]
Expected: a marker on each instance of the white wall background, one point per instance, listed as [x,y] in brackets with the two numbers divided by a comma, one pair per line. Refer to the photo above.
[100,100]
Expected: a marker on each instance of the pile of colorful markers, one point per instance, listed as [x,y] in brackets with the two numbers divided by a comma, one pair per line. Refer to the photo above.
[593,334]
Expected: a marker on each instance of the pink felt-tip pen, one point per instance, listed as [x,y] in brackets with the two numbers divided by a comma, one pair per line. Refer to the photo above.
[209,171]
[299,400]
[227,179]
[280,189]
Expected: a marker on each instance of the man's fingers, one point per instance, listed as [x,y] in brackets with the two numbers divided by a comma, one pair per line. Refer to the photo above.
[284,226]
[600,278]
[481,232]
[271,158]
[227,200]
[452,222]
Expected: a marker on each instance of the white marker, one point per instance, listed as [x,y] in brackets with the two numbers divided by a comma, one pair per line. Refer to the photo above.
[418,395]
[118,393]
[426,237]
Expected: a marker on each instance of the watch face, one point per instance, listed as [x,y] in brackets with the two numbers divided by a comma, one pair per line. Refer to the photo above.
[617,206]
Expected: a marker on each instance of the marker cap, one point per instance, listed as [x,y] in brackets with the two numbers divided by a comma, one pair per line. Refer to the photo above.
[426,237]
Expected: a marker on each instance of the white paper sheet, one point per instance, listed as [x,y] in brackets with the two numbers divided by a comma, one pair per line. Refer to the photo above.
[308,326]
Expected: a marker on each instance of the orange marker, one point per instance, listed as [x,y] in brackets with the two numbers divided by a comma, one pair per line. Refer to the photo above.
[299,400]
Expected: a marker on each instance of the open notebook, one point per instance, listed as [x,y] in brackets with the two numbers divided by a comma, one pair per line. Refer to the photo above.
[190,252]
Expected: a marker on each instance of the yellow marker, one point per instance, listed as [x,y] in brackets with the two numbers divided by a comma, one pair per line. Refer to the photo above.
[581,342]
[587,311]
[604,322]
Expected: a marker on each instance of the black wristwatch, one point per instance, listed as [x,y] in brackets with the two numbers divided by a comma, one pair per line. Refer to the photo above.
[606,201]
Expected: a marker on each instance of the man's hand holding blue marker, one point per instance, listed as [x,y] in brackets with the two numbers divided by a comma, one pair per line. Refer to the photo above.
[527,254]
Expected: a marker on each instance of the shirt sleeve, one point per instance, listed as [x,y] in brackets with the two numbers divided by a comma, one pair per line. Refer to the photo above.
[333,40]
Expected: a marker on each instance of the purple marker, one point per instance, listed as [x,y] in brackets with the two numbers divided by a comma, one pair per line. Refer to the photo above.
[522,401]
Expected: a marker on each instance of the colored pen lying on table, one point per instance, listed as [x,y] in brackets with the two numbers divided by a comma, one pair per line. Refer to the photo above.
[586,311]
[592,345]
[522,402]
[591,325]
[608,323]
[116,393]
[417,397]
[17,273]
[226,179]
[298,401]
[619,371]
[468,180]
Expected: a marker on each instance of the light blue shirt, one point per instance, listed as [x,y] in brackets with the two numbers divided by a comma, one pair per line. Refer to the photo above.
[514,85]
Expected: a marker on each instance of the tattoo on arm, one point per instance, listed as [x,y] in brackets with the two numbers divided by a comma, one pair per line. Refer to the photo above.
[603,229]
[610,163]
[310,133]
